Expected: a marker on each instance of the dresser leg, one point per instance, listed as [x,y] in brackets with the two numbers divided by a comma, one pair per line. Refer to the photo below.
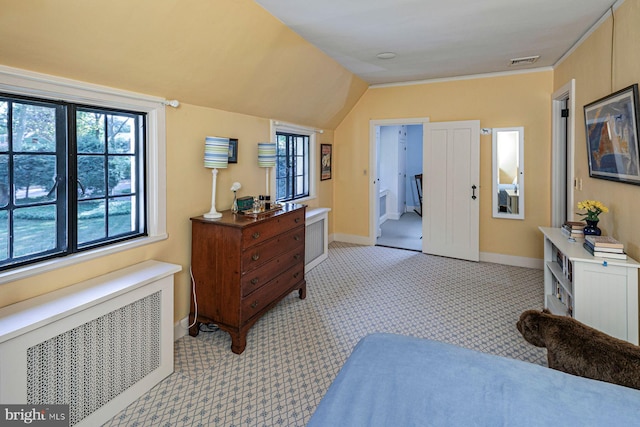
[238,342]
[302,292]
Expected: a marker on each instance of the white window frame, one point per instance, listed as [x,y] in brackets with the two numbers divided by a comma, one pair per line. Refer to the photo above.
[27,83]
[277,127]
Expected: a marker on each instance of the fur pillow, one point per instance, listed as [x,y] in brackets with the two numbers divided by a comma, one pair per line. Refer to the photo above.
[578,349]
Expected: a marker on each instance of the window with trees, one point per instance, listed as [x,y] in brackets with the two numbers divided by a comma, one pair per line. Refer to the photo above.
[292,166]
[69,178]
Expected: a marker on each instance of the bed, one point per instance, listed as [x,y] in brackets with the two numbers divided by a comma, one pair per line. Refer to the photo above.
[394,380]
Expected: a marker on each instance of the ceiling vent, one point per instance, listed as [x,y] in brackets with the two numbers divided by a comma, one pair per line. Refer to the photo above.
[524,61]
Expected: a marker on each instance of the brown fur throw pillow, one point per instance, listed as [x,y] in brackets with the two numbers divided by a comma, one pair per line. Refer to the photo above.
[578,349]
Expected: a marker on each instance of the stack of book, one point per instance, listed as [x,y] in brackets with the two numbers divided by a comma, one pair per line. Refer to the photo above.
[604,247]
[573,228]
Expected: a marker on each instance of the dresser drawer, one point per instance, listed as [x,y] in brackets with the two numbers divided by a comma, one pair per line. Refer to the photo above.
[270,227]
[258,255]
[262,297]
[258,277]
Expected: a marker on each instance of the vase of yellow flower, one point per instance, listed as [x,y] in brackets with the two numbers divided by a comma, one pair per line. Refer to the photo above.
[593,210]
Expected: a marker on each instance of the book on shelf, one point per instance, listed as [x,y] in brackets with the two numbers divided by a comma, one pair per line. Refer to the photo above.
[574,225]
[562,295]
[604,242]
[572,233]
[573,228]
[602,248]
[565,265]
[602,254]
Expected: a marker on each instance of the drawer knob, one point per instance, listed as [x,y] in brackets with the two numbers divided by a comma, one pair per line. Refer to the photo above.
[296,238]
[296,274]
[254,304]
[256,235]
[255,257]
[254,281]
[296,257]
[297,220]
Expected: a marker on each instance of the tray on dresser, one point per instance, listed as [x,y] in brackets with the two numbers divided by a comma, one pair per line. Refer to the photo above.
[253,214]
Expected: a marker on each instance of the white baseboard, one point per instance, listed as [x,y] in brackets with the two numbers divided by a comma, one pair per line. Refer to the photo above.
[180,329]
[515,261]
[349,238]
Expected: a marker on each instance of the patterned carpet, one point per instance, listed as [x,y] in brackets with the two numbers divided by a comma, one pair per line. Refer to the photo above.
[295,351]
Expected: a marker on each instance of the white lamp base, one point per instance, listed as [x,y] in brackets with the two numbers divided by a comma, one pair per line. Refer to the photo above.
[213,213]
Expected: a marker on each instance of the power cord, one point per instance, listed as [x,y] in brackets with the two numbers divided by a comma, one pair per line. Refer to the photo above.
[195,299]
[202,328]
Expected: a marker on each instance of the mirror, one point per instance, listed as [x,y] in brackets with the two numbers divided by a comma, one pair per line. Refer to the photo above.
[508,173]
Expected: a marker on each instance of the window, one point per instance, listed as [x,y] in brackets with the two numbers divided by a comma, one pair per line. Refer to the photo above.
[137,150]
[292,166]
[69,178]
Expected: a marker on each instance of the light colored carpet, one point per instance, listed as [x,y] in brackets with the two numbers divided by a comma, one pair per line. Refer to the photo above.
[402,233]
[295,351]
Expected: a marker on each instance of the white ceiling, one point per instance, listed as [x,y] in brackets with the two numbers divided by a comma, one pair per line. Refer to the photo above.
[438,39]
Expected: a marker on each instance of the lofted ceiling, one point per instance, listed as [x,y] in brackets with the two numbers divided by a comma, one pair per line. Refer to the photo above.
[439,39]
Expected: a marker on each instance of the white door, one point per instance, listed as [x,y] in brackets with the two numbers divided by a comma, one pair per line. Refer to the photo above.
[451,176]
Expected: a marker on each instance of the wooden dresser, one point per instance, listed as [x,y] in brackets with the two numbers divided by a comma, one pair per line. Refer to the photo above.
[243,266]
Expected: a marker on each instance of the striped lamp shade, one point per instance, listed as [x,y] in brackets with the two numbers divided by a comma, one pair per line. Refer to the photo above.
[216,152]
[266,154]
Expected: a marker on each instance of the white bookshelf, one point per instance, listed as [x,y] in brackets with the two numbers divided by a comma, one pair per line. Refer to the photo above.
[599,292]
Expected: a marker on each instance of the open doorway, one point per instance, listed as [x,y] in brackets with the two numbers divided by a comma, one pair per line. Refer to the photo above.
[399,161]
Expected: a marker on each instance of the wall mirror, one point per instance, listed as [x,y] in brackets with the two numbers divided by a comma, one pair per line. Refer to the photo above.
[508,173]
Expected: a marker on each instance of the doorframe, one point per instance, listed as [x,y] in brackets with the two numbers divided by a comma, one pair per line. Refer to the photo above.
[373,167]
[567,91]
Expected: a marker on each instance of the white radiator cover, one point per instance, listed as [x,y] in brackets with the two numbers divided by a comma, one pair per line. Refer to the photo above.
[316,237]
[96,345]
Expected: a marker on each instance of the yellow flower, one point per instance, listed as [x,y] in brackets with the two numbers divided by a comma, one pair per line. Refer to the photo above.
[593,207]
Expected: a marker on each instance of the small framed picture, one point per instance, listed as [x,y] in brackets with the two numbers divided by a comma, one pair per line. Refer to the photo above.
[325,161]
[233,150]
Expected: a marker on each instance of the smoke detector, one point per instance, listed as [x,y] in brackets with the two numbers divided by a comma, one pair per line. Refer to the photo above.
[386,55]
[524,61]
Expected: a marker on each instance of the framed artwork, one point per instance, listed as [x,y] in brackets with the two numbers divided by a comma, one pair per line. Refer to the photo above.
[233,150]
[325,161]
[612,136]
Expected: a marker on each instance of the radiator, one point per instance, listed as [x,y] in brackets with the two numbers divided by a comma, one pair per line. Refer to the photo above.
[316,243]
[96,345]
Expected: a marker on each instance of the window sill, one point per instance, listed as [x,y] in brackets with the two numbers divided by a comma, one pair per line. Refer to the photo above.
[56,263]
[301,200]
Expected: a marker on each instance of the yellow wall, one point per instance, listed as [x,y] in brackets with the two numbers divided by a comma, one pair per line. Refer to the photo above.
[590,65]
[501,101]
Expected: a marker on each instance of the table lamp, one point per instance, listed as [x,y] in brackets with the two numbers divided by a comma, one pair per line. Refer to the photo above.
[267,157]
[216,156]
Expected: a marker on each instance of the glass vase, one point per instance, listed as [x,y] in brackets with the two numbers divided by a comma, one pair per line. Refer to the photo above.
[591,229]
[234,206]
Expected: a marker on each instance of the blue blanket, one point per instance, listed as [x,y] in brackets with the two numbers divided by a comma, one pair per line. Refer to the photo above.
[399,381]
